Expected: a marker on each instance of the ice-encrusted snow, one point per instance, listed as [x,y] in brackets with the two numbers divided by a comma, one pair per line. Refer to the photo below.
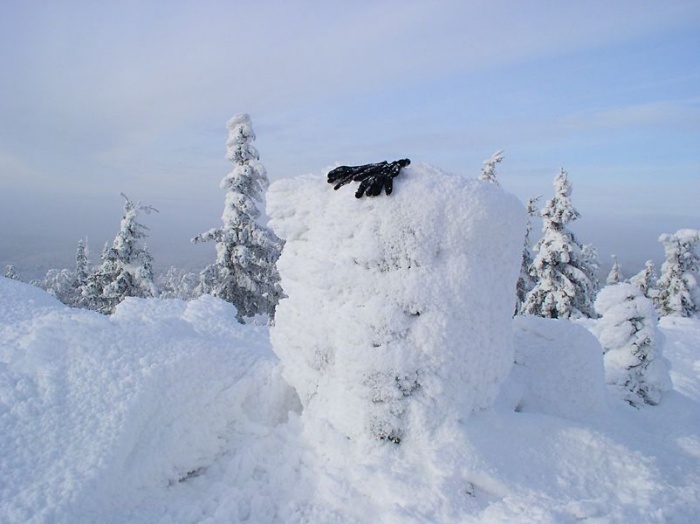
[388,319]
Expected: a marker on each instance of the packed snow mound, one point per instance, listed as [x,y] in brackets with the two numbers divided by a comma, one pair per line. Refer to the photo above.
[399,308]
[558,369]
[96,410]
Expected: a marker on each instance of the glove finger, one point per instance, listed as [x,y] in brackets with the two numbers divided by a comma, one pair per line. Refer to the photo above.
[388,185]
[361,190]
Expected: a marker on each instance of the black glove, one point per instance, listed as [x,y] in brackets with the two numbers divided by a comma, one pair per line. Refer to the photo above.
[372,177]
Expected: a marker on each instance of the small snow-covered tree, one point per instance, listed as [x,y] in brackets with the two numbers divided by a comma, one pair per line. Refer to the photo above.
[10,272]
[615,275]
[67,285]
[126,269]
[82,264]
[526,281]
[645,280]
[176,283]
[60,283]
[564,288]
[631,342]
[488,171]
[590,265]
[245,271]
[677,288]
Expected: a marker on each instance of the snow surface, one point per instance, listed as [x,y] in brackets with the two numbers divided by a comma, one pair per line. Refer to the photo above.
[173,412]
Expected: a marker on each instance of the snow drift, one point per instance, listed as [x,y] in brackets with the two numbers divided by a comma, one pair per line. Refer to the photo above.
[95,410]
[398,307]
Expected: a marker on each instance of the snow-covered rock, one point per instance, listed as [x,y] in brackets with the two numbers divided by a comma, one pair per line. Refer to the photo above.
[399,308]
[558,369]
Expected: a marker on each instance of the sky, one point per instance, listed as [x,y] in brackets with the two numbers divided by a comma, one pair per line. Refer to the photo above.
[100,98]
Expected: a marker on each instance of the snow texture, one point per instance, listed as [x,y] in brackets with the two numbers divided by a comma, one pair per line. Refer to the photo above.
[95,410]
[398,307]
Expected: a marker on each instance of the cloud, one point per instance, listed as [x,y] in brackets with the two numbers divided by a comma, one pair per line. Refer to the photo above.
[678,114]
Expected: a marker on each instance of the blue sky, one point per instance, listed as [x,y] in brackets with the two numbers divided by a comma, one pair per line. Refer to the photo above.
[97,98]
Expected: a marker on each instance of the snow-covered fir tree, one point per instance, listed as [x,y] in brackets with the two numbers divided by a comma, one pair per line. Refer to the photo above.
[10,272]
[245,271]
[564,288]
[526,281]
[82,264]
[126,269]
[645,280]
[61,284]
[590,265]
[615,275]
[677,291]
[488,171]
[628,332]
[67,285]
[176,283]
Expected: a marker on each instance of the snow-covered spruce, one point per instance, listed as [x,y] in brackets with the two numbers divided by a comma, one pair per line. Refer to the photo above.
[615,275]
[628,332]
[127,266]
[11,273]
[677,291]
[645,280]
[488,171]
[526,282]
[244,272]
[564,288]
[66,285]
[398,316]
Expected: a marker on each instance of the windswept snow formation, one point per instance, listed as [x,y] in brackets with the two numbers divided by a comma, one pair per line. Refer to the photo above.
[399,309]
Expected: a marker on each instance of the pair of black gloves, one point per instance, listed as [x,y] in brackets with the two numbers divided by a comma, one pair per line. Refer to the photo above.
[372,177]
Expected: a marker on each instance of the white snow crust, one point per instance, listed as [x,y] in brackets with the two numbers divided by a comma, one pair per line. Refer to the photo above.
[173,412]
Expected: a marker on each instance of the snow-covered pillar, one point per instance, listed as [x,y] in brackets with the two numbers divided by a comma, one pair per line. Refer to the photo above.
[399,307]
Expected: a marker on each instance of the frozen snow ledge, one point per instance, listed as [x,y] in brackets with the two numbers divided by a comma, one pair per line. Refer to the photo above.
[398,319]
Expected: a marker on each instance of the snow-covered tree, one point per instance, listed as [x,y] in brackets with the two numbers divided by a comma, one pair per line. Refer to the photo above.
[126,269]
[677,288]
[10,272]
[82,264]
[526,281]
[590,265]
[645,280]
[615,275]
[245,271]
[628,332]
[488,171]
[564,288]
[67,285]
[176,283]
[61,284]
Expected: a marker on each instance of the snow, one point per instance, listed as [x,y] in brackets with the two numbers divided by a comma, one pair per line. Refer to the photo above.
[173,412]
[388,320]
